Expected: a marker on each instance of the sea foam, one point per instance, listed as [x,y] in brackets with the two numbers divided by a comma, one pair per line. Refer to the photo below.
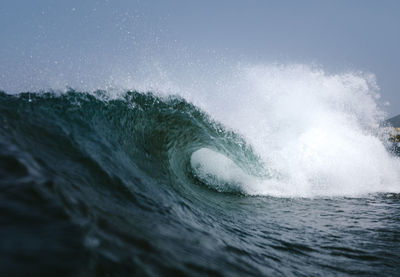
[319,131]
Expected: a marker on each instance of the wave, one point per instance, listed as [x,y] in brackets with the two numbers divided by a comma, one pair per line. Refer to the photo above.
[279,131]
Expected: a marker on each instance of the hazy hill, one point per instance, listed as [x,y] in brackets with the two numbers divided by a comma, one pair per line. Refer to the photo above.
[394,121]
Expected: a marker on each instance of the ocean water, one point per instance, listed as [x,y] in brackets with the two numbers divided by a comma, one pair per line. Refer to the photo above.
[271,171]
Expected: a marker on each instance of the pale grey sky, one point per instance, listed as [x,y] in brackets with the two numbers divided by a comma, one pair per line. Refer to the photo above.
[50,42]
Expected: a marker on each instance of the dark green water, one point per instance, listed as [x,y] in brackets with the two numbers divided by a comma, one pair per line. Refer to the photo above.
[92,187]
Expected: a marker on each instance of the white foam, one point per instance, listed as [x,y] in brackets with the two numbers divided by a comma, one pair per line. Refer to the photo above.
[319,131]
[219,172]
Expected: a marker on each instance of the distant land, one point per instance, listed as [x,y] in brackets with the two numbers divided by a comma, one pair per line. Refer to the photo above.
[394,121]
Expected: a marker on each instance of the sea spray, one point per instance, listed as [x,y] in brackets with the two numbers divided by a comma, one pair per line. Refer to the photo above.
[320,131]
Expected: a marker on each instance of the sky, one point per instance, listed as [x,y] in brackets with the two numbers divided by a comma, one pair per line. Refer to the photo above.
[51,43]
